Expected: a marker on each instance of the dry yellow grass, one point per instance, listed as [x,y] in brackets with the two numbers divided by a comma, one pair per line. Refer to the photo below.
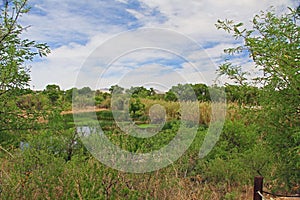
[205,110]
[88,109]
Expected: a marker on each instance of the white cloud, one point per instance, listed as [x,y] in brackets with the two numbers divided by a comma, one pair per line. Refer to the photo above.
[75,28]
[197,17]
[63,64]
[123,1]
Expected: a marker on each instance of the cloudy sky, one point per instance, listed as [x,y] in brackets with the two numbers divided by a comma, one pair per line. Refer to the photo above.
[155,43]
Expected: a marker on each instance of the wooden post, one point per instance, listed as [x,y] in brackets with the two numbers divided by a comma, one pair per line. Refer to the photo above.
[258,186]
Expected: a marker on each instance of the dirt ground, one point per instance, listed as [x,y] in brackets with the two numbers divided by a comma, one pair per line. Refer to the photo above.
[89,109]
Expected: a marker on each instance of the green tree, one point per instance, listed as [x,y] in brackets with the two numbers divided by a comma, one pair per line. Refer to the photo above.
[201,91]
[86,91]
[15,52]
[115,89]
[99,97]
[53,92]
[70,93]
[102,99]
[273,44]
[170,96]
[141,92]
[84,97]
[243,94]
[181,92]
[136,108]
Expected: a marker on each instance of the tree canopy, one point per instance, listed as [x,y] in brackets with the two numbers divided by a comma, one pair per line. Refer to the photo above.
[15,53]
[273,44]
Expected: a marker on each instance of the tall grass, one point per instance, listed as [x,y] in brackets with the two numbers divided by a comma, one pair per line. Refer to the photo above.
[233,111]
[49,177]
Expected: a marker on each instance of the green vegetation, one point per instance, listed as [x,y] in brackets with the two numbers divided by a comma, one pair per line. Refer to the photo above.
[273,44]
[42,156]
[14,73]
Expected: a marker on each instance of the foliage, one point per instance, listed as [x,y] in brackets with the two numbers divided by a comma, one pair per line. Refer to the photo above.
[15,52]
[273,44]
[87,91]
[101,99]
[243,94]
[82,98]
[136,108]
[141,92]
[115,89]
[188,92]
[170,96]
[183,92]
[201,92]
[53,92]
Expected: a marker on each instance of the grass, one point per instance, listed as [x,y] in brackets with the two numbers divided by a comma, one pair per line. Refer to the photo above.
[145,126]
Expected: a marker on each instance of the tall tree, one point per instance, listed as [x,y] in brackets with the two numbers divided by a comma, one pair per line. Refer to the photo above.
[15,52]
[273,44]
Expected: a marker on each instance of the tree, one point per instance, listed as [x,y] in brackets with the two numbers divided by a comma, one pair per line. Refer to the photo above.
[273,44]
[242,94]
[115,89]
[15,52]
[53,92]
[136,108]
[84,97]
[141,92]
[170,96]
[181,92]
[69,94]
[87,91]
[201,91]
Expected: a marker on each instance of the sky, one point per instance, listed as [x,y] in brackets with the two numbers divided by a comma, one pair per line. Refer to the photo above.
[154,43]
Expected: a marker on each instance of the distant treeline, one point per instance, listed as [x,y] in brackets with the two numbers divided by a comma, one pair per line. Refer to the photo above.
[54,95]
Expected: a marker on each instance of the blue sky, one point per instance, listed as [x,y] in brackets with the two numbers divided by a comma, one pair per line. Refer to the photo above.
[75,29]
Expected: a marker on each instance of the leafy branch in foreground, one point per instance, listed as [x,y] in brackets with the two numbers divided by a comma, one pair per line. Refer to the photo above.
[273,44]
[15,52]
